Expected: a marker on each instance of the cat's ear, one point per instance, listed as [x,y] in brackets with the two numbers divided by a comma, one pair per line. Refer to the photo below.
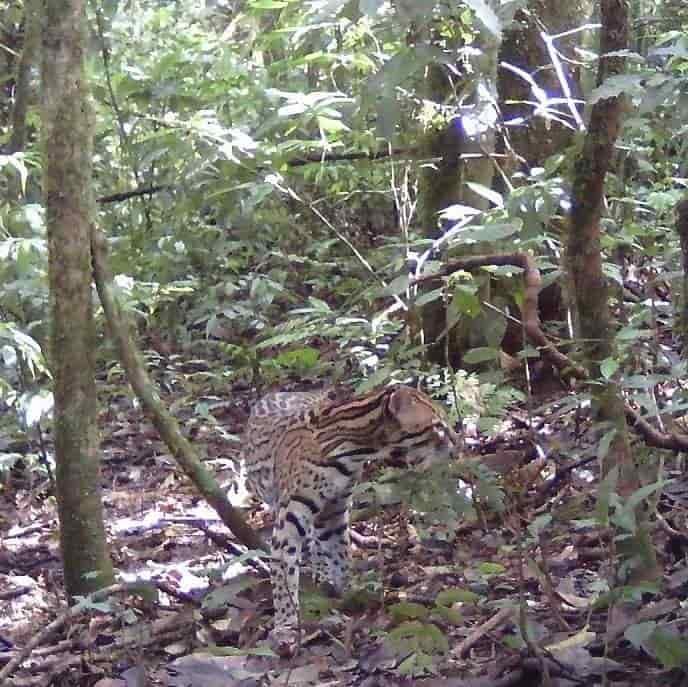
[400,401]
[406,407]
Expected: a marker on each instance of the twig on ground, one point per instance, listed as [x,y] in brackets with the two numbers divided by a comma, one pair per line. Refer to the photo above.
[548,587]
[39,638]
[71,612]
[499,618]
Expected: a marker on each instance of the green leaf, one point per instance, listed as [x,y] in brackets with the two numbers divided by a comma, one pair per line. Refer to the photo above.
[633,333]
[487,193]
[458,212]
[488,569]
[407,610]
[465,300]
[449,614]
[319,305]
[678,49]
[415,635]
[604,494]
[146,591]
[388,115]
[35,407]
[428,297]
[614,86]
[415,665]
[326,10]
[486,232]
[315,606]
[397,285]
[493,327]
[399,69]
[639,495]
[17,162]
[608,367]
[331,125]
[605,443]
[300,359]
[8,460]
[268,4]
[480,355]
[671,650]
[639,633]
[453,595]
[613,272]
[539,524]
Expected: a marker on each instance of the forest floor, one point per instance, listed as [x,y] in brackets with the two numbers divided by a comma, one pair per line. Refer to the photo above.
[444,610]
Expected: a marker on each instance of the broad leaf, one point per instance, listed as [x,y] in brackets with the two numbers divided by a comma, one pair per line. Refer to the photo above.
[486,15]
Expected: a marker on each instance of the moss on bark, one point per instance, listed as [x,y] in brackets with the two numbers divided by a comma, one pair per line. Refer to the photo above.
[590,292]
[67,136]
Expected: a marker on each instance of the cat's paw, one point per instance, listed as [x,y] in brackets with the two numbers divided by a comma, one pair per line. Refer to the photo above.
[284,641]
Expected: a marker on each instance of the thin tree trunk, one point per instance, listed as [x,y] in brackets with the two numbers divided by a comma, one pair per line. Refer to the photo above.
[590,293]
[22,84]
[681,306]
[68,136]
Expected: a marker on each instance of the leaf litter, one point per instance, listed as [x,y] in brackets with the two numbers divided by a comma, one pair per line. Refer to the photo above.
[431,605]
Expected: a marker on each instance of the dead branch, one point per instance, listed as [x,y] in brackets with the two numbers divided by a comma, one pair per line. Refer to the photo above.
[315,158]
[522,671]
[167,426]
[531,320]
[652,436]
[165,630]
[134,193]
[499,618]
[568,369]
[56,624]
[310,159]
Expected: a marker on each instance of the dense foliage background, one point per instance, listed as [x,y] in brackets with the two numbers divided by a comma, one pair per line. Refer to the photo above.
[271,175]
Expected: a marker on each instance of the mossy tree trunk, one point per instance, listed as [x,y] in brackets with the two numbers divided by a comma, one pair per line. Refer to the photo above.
[67,128]
[590,293]
[462,152]
[681,302]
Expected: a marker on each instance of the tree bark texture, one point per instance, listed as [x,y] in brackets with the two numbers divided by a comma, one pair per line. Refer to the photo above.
[590,293]
[461,153]
[22,84]
[67,137]
[681,308]
[584,254]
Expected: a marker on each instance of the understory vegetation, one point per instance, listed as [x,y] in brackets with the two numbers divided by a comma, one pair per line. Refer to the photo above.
[296,195]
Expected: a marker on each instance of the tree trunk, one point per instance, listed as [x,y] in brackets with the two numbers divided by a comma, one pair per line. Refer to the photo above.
[584,259]
[524,47]
[22,84]
[462,150]
[68,135]
[681,303]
